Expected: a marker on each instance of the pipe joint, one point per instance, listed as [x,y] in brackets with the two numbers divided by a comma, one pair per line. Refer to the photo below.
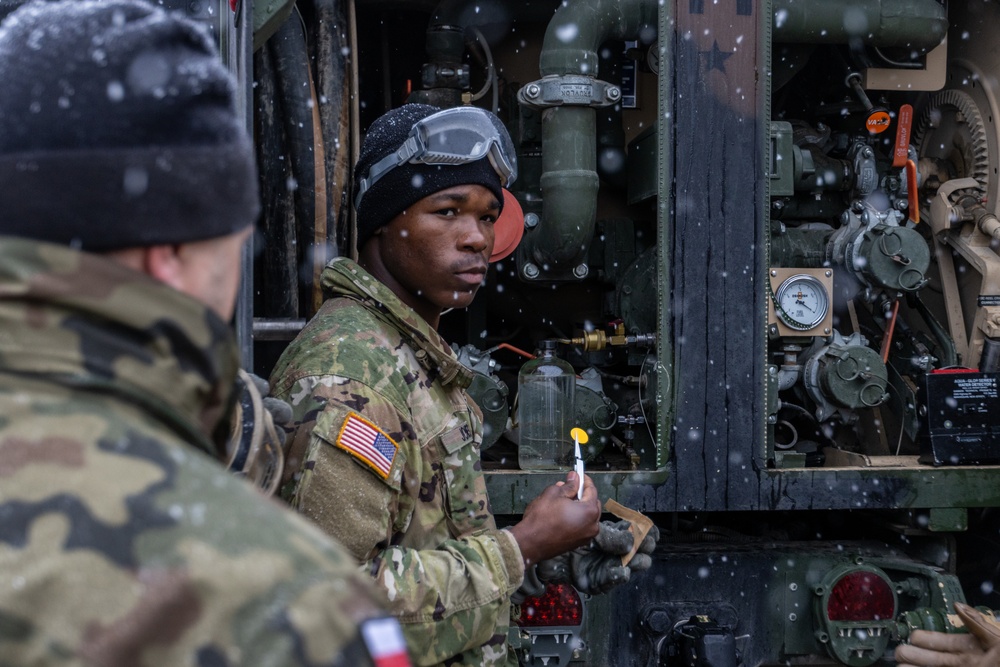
[568,90]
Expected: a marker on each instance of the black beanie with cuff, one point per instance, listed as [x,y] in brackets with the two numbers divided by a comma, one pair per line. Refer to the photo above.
[407,184]
[118,128]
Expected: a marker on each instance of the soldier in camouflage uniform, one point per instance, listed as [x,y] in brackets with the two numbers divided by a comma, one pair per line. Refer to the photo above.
[387,440]
[123,541]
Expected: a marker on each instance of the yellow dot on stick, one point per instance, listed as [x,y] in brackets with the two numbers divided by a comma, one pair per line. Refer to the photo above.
[580,435]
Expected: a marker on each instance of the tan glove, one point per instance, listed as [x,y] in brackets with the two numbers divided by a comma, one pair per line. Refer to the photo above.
[979,648]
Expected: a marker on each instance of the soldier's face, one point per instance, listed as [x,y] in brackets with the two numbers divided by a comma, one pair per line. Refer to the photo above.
[435,254]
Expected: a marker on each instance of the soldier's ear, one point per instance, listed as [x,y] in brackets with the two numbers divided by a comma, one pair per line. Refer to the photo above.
[164,263]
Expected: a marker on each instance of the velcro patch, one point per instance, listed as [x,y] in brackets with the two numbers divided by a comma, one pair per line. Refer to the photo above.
[384,639]
[368,443]
[457,438]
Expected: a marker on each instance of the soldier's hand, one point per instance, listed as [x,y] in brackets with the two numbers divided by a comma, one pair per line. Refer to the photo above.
[979,648]
[597,568]
[556,522]
[257,434]
[280,411]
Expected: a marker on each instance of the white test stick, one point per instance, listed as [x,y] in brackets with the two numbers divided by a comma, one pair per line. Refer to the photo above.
[579,468]
[579,435]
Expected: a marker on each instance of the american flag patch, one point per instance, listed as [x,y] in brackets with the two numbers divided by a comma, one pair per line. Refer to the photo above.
[367,442]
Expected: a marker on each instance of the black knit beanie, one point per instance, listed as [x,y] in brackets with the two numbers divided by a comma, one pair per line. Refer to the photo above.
[118,128]
[409,183]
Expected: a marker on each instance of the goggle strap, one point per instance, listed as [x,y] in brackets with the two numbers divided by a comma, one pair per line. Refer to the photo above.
[495,156]
[387,164]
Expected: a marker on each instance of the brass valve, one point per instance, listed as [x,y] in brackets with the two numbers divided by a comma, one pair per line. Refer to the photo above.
[592,341]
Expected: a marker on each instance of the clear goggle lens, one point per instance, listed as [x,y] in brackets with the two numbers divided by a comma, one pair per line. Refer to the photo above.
[452,136]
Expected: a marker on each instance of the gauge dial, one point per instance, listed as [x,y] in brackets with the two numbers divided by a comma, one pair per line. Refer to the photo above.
[801,301]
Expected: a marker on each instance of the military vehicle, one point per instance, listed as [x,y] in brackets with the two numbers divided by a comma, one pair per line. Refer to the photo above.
[763,234]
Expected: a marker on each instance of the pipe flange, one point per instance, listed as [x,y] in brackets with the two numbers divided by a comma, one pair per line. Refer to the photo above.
[558,90]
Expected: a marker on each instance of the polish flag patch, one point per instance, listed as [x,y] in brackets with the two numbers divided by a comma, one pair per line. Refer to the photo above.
[367,443]
[384,639]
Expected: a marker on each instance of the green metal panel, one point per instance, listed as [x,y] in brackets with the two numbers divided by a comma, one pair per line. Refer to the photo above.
[268,15]
[665,176]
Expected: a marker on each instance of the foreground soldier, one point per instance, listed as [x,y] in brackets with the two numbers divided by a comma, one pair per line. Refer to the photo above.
[387,438]
[122,541]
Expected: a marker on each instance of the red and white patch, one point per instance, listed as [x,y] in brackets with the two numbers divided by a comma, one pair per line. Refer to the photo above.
[384,639]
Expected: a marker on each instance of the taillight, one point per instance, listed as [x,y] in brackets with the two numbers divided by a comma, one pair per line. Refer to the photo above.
[861,596]
[559,605]
[855,612]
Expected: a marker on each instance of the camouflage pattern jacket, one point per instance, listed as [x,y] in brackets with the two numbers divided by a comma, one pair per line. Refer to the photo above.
[387,442]
[122,542]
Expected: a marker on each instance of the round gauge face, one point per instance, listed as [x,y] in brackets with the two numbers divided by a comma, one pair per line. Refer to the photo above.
[801,301]
[653,57]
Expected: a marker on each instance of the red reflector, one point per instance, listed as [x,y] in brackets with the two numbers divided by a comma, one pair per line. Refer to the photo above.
[559,605]
[861,596]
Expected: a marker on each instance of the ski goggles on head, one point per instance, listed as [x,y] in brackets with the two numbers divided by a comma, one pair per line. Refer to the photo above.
[453,136]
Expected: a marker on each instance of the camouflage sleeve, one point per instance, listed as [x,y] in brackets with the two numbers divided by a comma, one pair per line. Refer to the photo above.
[121,547]
[450,595]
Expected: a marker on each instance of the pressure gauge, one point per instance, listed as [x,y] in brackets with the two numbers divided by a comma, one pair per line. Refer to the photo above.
[653,57]
[801,301]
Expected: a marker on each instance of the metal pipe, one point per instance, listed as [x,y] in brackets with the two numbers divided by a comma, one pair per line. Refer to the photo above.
[569,186]
[569,153]
[913,24]
[986,222]
[277,329]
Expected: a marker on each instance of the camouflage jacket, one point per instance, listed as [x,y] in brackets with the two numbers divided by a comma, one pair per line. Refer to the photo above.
[387,442]
[122,542]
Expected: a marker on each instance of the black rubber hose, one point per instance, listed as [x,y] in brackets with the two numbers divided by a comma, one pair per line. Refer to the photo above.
[949,356]
[291,61]
[275,265]
[332,47]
